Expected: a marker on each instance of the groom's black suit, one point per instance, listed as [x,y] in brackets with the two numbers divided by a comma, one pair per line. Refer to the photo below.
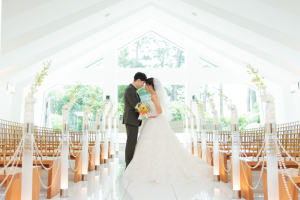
[130,119]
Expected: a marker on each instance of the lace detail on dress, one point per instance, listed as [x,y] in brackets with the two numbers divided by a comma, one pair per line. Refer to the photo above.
[160,157]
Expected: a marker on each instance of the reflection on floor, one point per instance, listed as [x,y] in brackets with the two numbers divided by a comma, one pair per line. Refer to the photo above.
[106,184]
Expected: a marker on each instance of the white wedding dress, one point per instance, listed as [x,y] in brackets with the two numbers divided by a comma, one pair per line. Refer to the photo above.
[160,157]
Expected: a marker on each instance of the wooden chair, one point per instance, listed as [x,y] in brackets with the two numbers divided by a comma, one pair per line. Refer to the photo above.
[92,154]
[246,191]
[14,191]
[282,190]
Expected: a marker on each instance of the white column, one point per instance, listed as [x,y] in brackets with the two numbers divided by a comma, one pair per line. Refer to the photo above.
[271,145]
[105,149]
[64,154]
[85,146]
[216,146]
[103,122]
[112,137]
[193,107]
[110,79]
[235,159]
[203,136]
[97,142]
[28,131]
[188,138]
[105,131]
[117,133]
[190,132]
[195,134]
[109,88]
[198,119]
[184,131]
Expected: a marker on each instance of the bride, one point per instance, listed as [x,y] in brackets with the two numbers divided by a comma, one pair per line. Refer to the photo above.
[159,156]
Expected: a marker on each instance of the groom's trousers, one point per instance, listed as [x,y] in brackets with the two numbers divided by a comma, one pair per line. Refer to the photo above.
[132,134]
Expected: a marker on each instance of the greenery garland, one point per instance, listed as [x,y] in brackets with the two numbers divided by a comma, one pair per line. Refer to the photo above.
[92,103]
[103,106]
[75,91]
[228,101]
[72,97]
[199,106]
[111,109]
[39,78]
[210,100]
[257,80]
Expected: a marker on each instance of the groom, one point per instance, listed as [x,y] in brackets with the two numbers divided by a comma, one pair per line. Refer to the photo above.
[130,117]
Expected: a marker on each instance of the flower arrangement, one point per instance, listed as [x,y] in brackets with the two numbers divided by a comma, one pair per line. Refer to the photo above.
[116,114]
[88,110]
[211,101]
[213,108]
[225,98]
[72,97]
[111,109]
[269,99]
[199,106]
[183,110]
[257,80]
[103,106]
[228,102]
[189,110]
[141,108]
[92,103]
[39,78]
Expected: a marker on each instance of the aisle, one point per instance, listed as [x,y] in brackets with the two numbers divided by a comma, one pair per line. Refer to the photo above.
[141,191]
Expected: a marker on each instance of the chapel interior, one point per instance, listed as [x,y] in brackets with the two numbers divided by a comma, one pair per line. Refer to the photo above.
[231,70]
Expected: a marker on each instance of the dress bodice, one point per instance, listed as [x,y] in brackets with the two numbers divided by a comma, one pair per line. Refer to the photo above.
[152,106]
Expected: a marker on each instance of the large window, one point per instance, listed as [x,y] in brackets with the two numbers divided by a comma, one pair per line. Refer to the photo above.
[151,51]
[58,96]
[176,95]
[244,97]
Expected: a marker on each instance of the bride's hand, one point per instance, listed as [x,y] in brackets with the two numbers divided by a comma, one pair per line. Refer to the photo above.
[153,117]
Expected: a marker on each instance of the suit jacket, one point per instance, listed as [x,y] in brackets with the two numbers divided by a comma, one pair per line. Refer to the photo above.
[131,99]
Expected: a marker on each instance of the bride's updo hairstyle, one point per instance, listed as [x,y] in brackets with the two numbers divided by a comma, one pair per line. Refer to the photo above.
[149,81]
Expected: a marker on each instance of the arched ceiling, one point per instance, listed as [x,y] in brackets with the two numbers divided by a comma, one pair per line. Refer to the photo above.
[227,33]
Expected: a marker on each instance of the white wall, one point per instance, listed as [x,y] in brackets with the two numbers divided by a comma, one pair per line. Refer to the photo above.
[5,100]
[0,25]
[291,105]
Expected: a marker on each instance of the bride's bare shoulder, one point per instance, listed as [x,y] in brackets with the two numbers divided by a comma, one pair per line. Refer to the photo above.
[154,97]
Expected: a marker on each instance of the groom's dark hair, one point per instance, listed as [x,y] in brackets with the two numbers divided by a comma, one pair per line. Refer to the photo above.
[140,76]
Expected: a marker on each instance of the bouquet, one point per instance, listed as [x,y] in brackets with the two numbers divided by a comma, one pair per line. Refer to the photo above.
[142,109]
